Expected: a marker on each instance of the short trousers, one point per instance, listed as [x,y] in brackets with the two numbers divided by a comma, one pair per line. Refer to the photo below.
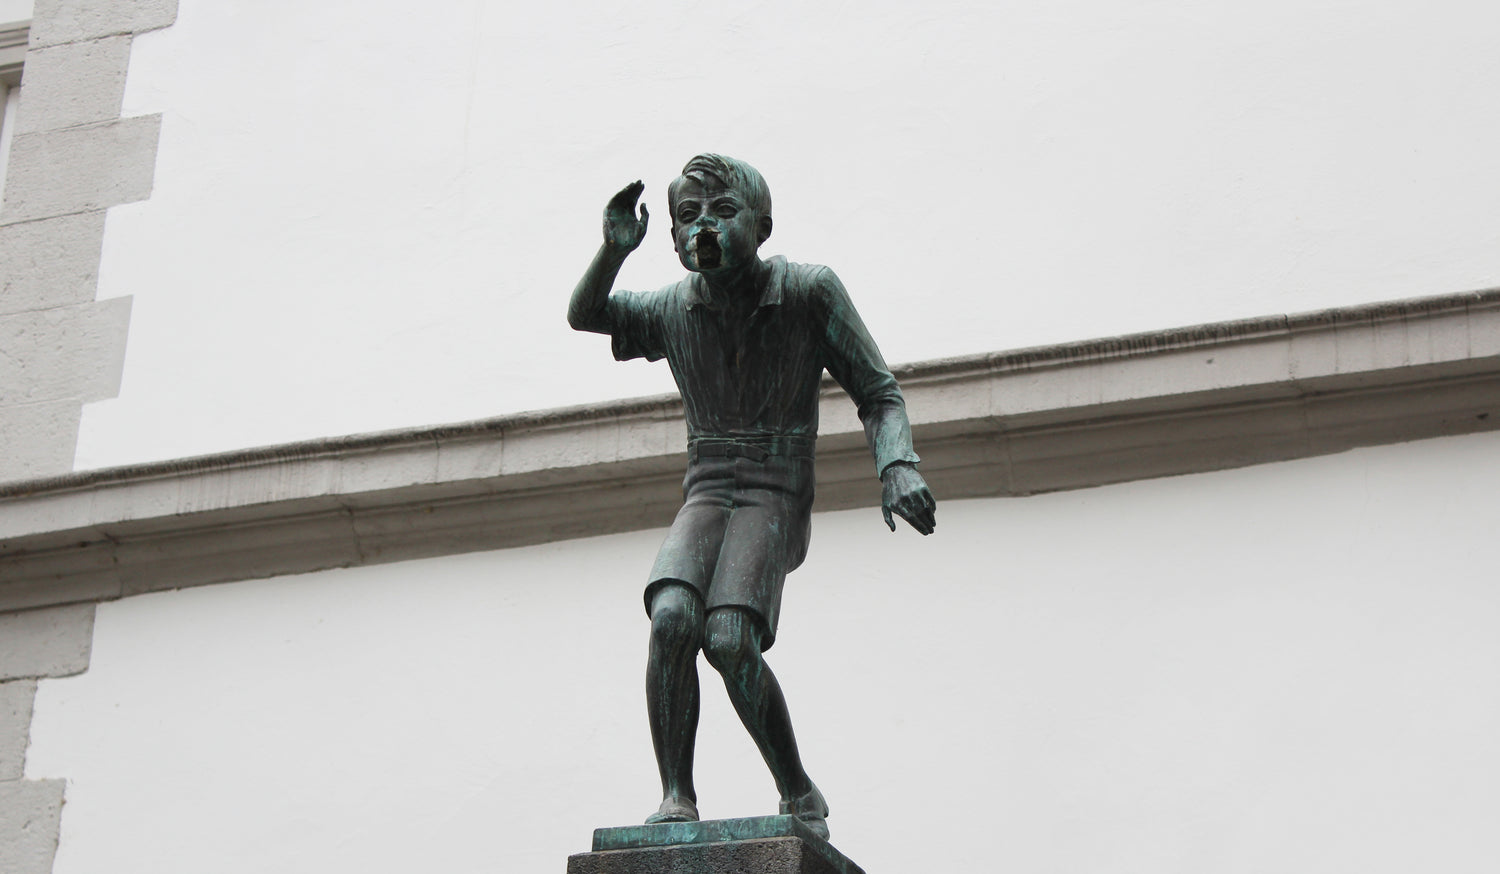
[745,522]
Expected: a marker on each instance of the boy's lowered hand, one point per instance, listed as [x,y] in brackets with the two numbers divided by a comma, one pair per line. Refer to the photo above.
[905,493]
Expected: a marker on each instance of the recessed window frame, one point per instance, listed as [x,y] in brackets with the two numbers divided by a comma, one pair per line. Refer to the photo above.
[13,39]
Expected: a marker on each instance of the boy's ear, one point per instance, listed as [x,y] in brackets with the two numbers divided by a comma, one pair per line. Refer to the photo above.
[762,229]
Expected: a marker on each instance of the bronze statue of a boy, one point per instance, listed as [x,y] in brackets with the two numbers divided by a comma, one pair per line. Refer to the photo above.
[747,341]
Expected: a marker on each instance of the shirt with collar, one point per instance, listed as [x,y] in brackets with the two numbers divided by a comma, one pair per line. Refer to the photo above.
[758,376]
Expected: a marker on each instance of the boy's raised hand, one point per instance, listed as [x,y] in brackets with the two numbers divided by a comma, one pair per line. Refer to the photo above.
[905,493]
[623,232]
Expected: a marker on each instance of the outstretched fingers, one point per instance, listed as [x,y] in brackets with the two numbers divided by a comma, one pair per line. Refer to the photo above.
[622,230]
[625,199]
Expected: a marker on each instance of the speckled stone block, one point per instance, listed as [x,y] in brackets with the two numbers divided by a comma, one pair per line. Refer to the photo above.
[16,698]
[30,816]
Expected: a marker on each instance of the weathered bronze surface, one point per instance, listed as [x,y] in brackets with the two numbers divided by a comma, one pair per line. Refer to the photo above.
[751,833]
[747,340]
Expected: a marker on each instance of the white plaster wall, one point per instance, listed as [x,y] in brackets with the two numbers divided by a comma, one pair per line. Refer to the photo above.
[1284,668]
[369,213]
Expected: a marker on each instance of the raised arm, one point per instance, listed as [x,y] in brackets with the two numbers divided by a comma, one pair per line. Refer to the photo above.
[623,232]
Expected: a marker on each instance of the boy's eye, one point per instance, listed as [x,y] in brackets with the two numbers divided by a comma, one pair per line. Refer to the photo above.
[726,211]
[686,214]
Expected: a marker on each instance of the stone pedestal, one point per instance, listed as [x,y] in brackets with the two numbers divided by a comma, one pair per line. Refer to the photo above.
[754,845]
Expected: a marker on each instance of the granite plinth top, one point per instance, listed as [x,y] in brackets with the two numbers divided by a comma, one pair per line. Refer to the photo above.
[711,831]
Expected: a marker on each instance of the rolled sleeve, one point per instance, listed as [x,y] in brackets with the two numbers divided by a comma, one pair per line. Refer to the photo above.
[856,363]
[635,326]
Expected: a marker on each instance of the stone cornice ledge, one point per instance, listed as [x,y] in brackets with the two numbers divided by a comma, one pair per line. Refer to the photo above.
[1012,423]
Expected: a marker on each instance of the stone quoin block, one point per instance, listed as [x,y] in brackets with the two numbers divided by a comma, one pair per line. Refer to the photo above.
[73,84]
[61,21]
[30,816]
[80,169]
[67,352]
[38,440]
[50,263]
[16,698]
[52,642]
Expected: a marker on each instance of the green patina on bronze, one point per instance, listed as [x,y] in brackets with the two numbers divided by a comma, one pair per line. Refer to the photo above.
[747,341]
[712,831]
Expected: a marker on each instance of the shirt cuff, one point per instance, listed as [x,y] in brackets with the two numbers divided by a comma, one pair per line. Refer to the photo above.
[882,463]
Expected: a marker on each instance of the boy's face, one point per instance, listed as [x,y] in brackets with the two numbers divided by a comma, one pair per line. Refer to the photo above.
[714,229]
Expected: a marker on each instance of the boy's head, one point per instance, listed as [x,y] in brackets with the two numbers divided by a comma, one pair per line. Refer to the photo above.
[721,213]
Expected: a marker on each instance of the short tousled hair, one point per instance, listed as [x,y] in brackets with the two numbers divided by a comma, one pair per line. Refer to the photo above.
[733,172]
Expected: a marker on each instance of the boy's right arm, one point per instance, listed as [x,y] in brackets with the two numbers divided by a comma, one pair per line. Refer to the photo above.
[623,232]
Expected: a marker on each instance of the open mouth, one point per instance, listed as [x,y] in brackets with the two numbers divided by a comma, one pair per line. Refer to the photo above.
[706,250]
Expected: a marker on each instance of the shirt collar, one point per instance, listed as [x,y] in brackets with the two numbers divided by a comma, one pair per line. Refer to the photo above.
[697,286]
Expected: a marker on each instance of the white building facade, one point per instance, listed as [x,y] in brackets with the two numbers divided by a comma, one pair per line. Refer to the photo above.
[1205,598]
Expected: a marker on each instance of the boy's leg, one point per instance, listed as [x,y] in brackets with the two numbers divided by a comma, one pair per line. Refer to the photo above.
[732,645]
[672,696]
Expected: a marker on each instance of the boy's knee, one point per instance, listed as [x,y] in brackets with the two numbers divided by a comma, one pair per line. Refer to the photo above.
[676,614]
[731,639]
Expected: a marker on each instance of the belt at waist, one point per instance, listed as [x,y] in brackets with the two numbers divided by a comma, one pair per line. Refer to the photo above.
[753,448]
